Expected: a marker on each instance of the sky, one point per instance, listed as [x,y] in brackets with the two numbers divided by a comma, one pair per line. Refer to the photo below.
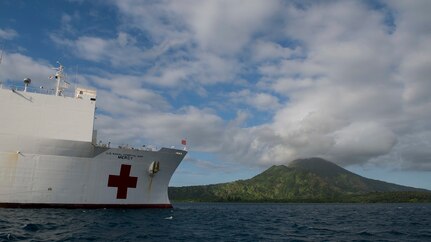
[248,83]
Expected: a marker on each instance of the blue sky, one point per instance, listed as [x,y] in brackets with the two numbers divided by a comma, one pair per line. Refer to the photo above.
[250,84]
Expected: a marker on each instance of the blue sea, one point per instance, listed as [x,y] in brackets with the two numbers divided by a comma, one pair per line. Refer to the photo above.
[223,222]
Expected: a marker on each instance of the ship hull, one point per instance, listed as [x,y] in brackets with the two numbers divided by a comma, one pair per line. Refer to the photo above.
[50,157]
[113,178]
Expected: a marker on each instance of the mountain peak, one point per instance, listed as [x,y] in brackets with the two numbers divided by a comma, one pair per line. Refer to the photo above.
[310,161]
[319,166]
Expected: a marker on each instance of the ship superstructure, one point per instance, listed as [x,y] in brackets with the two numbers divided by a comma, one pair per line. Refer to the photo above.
[49,156]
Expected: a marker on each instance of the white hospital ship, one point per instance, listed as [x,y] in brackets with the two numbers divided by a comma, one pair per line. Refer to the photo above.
[49,156]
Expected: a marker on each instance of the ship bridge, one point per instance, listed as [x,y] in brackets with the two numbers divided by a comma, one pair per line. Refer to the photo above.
[28,116]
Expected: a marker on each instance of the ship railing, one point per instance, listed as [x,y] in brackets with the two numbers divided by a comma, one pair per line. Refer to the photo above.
[40,90]
[128,147]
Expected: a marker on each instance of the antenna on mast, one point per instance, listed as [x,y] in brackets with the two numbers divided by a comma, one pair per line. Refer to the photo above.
[1,58]
[1,55]
[58,76]
[2,50]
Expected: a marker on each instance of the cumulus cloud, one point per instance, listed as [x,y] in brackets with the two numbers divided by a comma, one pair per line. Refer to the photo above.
[355,79]
[204,37]
[361,141]
[344,80]
[348,98]
[225,27]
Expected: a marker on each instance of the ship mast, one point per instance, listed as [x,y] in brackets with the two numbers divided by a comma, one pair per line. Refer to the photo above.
[58,76]
[1,58]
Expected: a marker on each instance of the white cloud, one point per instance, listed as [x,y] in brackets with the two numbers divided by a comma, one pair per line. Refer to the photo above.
[360,141]
[269,51]
[92,48]
[16,67]
[207,35]
[414,151]
[261,101]
[169,77]
[356,84]
[8,34]
[124,95]
[225,27]
[346,97]
[200,127]
[120,51]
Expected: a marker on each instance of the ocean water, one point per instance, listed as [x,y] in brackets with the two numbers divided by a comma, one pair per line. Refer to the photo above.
[223,222]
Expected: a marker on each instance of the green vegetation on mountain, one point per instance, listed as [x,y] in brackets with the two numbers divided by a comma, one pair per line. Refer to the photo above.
[304,180]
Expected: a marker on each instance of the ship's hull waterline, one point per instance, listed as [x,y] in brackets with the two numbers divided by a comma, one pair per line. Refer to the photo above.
[116,178]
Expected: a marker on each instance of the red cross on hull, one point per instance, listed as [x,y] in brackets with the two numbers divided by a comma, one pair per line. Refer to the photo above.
[123,181]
